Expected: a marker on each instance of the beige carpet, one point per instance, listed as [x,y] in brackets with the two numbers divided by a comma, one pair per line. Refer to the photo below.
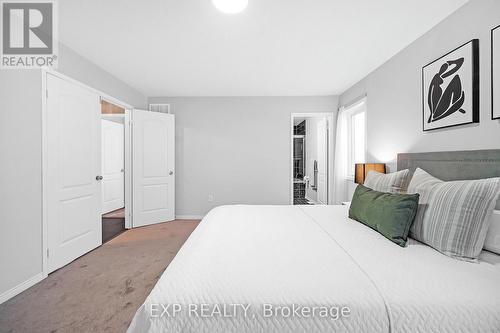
[100,291]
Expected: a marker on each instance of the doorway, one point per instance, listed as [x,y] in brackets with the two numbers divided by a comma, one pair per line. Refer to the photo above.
[86,173]
[310,158]
[112,170]
[72,170]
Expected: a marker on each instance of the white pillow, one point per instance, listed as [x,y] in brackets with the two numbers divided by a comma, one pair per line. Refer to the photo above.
[492,242]
[395,182]
[453,217]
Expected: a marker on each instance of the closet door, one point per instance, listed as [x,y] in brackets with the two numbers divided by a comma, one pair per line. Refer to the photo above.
[113,166]
[73,171]
[153,163]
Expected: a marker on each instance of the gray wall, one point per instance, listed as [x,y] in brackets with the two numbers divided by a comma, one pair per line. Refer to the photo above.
[394,90]
[20,177]
[77,67]
[21,151]
[236,148]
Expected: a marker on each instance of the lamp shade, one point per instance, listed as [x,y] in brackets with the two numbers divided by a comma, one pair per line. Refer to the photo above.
[361,170]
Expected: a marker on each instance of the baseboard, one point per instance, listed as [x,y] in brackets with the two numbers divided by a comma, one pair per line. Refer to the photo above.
[189,217]
[21,287]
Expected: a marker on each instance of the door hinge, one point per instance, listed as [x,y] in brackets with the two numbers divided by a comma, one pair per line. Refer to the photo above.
[47,253]
[46,93]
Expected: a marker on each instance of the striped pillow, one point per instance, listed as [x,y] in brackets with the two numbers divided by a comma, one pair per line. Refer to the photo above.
[453,217]
[391,183]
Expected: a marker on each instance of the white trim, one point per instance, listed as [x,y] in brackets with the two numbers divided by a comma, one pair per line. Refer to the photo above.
[353,106]
[128,168]
[355,102]
[21,287]
[330,148]
[45,241]
[112,116]
[103,95]
[359,106]
[189,217]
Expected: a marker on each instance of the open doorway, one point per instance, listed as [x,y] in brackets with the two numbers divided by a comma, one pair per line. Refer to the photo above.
[113,138]
[310,158]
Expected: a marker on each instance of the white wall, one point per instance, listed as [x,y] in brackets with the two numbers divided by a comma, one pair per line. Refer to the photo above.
[394,90]
[236,148]
[21,151]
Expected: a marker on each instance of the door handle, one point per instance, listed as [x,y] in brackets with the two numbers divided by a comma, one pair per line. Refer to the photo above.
[170,173]
[98,177]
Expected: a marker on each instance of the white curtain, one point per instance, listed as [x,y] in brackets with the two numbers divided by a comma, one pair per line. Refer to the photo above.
[341,157]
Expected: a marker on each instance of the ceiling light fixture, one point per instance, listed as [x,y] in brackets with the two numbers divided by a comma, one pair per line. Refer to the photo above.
[230,6]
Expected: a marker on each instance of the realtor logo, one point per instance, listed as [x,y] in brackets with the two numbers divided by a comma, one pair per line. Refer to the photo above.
[28,34]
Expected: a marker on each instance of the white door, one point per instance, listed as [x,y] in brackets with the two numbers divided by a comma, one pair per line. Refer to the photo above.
[113,165]
[323,161]
[153,163]
[73,166]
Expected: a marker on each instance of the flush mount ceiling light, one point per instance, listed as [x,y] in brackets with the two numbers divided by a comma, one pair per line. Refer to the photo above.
[230,6]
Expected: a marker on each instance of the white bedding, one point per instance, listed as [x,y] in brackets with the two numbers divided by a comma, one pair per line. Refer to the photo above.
[314,256]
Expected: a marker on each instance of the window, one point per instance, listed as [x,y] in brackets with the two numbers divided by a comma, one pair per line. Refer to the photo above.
[356,128]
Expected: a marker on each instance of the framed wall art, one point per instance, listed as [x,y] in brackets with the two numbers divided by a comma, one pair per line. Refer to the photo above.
[450,88]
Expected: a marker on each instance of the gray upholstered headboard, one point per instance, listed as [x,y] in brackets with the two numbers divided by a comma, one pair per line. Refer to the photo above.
[454,165]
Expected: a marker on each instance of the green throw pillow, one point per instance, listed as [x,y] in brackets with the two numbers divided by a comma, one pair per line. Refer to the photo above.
[390,214]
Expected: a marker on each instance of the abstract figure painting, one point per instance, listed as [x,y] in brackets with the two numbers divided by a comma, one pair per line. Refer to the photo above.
[450,88]
[495,73]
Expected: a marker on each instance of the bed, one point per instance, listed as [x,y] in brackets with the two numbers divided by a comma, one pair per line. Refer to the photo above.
[256,268]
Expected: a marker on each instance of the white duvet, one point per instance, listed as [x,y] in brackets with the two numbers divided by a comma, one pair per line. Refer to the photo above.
[244,264]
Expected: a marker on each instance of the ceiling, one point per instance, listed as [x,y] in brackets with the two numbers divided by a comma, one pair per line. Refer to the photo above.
[273,48]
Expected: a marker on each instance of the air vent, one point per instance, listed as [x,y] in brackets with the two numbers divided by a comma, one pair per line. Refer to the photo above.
[163,108]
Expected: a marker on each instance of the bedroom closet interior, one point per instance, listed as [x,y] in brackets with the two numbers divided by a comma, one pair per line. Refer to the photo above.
[113,169]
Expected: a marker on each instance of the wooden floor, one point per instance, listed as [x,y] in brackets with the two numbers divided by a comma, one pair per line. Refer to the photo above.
[102,290]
